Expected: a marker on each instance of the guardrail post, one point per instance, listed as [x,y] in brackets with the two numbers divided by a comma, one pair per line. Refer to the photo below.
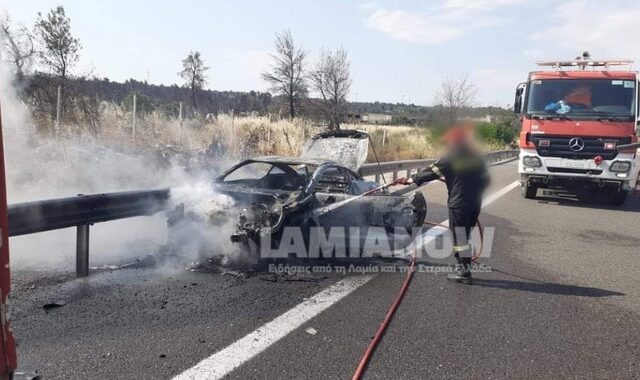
[82,251]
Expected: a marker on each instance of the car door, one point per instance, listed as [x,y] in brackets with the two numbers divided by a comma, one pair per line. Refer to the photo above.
[388,217]
[336,210]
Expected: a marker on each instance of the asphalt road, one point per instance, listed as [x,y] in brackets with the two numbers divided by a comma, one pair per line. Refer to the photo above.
[562,301]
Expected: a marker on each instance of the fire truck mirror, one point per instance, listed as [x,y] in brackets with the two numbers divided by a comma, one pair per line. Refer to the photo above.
[517,104]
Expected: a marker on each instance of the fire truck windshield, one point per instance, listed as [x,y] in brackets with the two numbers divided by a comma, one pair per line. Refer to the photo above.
[603,99]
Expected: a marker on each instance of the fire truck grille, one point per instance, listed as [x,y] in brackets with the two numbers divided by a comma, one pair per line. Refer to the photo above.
[585,148]
[574,171]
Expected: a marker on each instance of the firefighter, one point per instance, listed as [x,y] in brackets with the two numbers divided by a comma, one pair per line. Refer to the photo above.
[466,177]
[579,97]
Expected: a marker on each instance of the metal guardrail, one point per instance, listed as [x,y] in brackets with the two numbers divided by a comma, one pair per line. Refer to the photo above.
[500,155]
[411,166]
[84,210]
[81,212]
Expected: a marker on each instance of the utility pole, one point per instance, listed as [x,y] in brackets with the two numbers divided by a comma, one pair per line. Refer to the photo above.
[133,124]
[269,130]
[58,110]
[233,117]
[154,124]
[180,120]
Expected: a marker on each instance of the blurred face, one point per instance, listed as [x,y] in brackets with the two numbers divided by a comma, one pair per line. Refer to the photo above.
[458,142]
[451,144]
[580,95]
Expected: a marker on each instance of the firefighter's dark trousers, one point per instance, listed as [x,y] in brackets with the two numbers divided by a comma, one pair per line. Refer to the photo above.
[461,221]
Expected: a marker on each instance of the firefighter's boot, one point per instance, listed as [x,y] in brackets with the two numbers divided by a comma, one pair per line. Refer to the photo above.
[462,274]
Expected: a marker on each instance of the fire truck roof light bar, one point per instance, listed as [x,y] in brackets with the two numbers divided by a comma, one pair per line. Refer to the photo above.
[584,63]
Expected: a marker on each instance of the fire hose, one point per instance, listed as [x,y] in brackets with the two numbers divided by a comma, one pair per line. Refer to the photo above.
[377,338]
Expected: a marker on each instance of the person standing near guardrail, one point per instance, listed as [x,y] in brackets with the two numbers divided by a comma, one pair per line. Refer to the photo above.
[466,177]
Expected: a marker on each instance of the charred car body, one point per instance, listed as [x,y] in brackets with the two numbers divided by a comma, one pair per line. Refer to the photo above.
[321,188]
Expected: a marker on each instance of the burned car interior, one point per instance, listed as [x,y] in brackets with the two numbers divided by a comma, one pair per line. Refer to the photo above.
[293,176]
[321,187]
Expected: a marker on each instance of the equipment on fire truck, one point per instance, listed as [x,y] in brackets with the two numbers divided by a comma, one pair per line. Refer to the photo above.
[583,62]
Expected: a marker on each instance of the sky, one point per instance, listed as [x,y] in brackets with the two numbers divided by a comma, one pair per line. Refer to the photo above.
[400,51]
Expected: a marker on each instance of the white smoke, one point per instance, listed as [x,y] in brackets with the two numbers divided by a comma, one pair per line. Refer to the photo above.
[40,167]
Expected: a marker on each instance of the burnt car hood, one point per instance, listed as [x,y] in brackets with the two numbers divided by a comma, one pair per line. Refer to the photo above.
[348,148]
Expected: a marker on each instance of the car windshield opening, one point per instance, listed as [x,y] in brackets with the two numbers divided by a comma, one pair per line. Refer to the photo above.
[270,176]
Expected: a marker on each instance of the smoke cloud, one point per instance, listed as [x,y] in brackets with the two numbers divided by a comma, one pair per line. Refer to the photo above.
[40,167]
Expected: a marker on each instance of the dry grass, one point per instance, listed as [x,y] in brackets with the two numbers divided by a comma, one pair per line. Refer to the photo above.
[239,137]
[394,143]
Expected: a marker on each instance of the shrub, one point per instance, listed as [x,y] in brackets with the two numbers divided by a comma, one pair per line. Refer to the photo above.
[500,133]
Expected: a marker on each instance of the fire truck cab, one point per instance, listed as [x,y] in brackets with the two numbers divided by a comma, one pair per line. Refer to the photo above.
[574,116]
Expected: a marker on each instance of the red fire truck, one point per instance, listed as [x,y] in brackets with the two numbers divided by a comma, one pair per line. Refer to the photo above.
[574,114]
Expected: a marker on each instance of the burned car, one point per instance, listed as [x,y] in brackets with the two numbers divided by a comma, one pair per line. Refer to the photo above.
[321,188]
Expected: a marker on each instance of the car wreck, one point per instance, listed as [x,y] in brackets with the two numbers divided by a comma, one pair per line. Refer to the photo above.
[320,188]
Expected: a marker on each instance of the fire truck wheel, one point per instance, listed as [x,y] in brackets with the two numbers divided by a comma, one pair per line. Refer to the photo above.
[529,190]
[619,197]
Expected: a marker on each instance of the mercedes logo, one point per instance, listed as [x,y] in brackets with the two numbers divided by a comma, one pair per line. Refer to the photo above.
[576,144]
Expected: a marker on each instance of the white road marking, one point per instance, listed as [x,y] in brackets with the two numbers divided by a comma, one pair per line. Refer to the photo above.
[428,236]
[233,356]
[226,360]
[495,196]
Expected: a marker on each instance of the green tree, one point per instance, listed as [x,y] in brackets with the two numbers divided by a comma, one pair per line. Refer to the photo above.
[502,133]
[59,47]
[194,75]
[144,104]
